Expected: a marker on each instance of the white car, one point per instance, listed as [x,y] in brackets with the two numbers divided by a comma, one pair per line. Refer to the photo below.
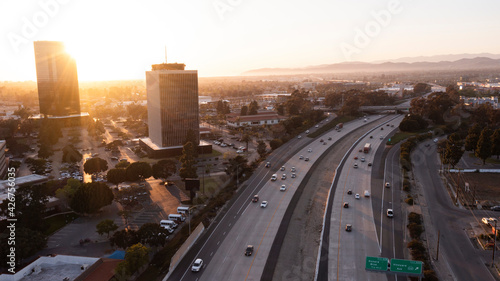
[355,165]
[197,265]
[356,196]
[293,175]
[299,137]
[293,169]
[387,184]
[283,177]
[362,159]
[317,126]
[307,132]
[390,213]
[283,188]
[309,150]
[282,168]
[301,157]
[263,204]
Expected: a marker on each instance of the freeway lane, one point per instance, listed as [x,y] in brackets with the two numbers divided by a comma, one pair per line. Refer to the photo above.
[209,250]
[346,251]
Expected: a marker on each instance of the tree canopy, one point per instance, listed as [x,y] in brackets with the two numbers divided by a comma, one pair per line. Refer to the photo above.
[95,165]
[116,176]
[483,150]
[91,197]
[164,169]
[188,162]
[139,171]
[106,226]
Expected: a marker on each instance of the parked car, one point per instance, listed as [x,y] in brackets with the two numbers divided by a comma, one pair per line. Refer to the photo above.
[490,221]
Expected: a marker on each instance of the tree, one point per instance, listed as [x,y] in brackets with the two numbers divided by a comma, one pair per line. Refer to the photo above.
[124,238]
[495,143]
[223,107]
[135,257]
[472,137]
[116,176]
[91,197]
[152,234]
[244,110]
[483,150]
[188,162]
[28,243]
[45,151]
[95,165]
[237,166]
[253,108]
[275,143]
[453,152]
[125,214]
[246,139]
[351,106]
[71,154]
[421,88]
[139,171]
[66,193]
[261,148]
[163,169]
[413,123]
[122,164]
[106,226]
[280,108]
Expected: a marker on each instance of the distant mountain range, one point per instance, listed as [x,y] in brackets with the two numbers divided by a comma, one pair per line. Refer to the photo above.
[435,63]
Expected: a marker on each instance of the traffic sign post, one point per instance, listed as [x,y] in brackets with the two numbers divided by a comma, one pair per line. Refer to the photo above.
[376,263]
[406,266]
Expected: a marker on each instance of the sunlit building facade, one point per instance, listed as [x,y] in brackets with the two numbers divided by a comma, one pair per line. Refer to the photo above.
[57,80]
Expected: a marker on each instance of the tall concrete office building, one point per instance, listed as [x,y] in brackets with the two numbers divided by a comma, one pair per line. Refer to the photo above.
[172,108]
[57,80]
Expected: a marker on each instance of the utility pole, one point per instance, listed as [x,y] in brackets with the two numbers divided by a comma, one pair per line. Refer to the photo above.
[494,244]
[437,250]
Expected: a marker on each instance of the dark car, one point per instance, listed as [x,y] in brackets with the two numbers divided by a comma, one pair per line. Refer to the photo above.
[268,164]
[371,137]
[255,198]
[348,227]
[249,250]
[346,205]
[349,192]
[495,208]
[382,128]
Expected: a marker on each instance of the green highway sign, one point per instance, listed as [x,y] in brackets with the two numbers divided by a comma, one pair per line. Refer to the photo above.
[376,263]
[406,266]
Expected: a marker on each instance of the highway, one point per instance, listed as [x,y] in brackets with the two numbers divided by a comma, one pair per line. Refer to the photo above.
[346,251]
[223,251]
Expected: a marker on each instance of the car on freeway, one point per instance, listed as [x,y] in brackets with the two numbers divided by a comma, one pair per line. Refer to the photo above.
[263,204]
[283,187]
[436,140]
[381,128]
[255,198]
[346,205]
[329,138]
[381,137]
[299,137]
[324,143]
[370,164]
[362,159]
[283,177]
[301,157]
[360,150]
[268,164]
[197,265]
[307,131]
[293,175]
[309,150]
[249,250]
[349,192]
[355,157]
[282,168]
[355,165]
[293,169]
[317,126]
[371,137]
[274,177]
[348,227]
[387,184]
[321,140]
[356,196]
[307,159]
[390,213]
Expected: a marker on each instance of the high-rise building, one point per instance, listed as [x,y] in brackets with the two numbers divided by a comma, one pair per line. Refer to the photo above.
[57,80]
[172,108]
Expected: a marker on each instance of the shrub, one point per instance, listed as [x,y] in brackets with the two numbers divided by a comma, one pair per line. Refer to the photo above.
[406,185]
[409,201]
[414,218]
[415,230]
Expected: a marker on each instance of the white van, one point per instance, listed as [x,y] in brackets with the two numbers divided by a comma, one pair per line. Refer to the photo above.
[176,217]
[168,223]
[274,177]
[182,210]
[367,193]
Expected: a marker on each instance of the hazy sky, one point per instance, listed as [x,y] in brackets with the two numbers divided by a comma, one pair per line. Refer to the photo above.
[121,39]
